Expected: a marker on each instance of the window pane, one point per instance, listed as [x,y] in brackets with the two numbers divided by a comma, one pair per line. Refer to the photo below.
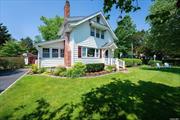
[97,53]
[90,52]
[62,52]
[84,52]
[98,19]
[46,53]
[92,31]
[102,34]
[55,53]
[97,33]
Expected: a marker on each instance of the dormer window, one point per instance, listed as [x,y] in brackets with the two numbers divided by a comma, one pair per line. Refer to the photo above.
[92,31]
[98,19]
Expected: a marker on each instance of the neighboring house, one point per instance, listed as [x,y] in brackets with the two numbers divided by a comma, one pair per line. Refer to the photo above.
[87,39]
[29,58]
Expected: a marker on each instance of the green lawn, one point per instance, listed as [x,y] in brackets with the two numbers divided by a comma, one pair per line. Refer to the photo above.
[143,93]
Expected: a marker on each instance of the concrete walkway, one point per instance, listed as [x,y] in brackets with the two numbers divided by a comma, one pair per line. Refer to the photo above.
[8,78]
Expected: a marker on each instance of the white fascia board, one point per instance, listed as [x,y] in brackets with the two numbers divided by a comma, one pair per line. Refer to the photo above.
[49,42]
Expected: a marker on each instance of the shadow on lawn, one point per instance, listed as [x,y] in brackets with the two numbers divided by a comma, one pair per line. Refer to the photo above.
[116,100]
[175,70]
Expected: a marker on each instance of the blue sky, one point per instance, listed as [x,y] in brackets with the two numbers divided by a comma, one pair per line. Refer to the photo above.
[22,17]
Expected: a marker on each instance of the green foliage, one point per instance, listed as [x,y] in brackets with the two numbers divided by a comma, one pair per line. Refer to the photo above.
[110,68]
[129,62]
[11,63]
[50,29]
[153,63]
[165,27]
[123,6]
[4,34]
[27,45]
[34,68]
[37,39]
[11,49]
[77,70]
[59,71]
[94,67]
[124,32]
[42,70]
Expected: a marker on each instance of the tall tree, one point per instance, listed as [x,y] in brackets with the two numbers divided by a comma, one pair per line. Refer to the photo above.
[37,39]
[126,6]
[27,45]
[50,29]
[11,48]
[4,34]
[165,27]
[125,31]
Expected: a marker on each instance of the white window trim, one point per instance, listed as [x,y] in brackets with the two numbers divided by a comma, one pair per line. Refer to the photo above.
[87,52]
[50,53]
[43,53]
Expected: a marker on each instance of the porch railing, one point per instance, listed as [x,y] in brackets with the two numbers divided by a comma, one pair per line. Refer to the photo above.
[115,61]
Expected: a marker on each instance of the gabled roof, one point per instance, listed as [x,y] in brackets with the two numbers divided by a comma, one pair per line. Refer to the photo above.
[92,16]
[75,21]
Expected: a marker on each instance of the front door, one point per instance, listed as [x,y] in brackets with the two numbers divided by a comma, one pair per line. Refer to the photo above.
[106,55]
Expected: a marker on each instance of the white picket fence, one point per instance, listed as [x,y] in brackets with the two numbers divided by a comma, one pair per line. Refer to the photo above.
[115,61]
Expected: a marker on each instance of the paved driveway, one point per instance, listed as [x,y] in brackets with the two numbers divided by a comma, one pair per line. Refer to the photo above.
[7,78]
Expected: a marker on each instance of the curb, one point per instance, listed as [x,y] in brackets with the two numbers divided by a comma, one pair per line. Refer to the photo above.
[14,82]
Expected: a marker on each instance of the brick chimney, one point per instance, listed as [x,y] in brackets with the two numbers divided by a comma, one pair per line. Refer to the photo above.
[67,9]
[67,48]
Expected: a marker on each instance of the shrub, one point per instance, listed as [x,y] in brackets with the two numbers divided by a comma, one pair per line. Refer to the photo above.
[96,67]
[132,62]
[76,71]
[110,68]
[59,71]
[42,70]
[34,68]
[153,63]
[10,63]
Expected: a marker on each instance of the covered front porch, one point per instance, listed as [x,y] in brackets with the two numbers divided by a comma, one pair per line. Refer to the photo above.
[108,56]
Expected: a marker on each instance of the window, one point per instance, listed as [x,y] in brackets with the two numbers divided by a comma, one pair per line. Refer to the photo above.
[55,53]
[46,53]
[92,31]
[97,33]
[98,19]
[90,52]
[84,52]
[62,53]
[97,53]
[102,34]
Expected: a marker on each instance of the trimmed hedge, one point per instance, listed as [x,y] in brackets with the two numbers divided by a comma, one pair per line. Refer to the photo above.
[132,62]
[153,63]
[95,67]
[11,63]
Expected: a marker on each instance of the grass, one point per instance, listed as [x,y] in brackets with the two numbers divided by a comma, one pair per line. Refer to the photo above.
[143,93]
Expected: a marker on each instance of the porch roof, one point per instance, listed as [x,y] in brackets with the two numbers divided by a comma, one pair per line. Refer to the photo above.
[48,42]
[111,45]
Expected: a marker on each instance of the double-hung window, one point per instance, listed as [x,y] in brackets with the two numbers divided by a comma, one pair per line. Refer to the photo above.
[62,53]
[97,33]
[102,34]
[55,53]
[90,52]
[92,31]
[97,53]
[46,52]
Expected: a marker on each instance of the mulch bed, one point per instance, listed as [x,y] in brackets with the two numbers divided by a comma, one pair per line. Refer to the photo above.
[96,73]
